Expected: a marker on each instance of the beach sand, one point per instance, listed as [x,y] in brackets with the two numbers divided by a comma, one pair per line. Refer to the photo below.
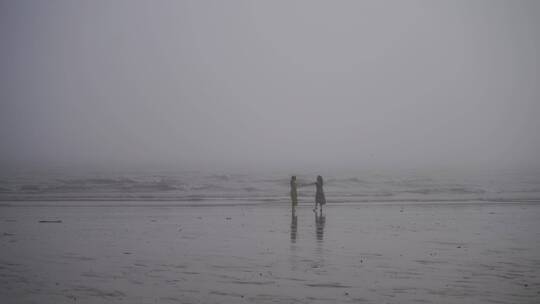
[359,253]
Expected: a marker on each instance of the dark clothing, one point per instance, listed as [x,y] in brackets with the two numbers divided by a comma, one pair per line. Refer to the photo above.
[294,193]
[319,194]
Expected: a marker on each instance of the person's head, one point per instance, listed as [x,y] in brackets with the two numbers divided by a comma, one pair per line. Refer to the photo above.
[319,179]
[293,177]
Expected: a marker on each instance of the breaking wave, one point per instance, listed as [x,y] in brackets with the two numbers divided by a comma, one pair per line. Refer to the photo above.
[244,188]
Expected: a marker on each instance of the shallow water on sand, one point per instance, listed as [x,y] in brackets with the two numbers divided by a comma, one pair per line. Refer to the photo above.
[355,253]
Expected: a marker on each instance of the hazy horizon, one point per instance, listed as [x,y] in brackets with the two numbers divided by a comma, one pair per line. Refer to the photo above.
[240,85]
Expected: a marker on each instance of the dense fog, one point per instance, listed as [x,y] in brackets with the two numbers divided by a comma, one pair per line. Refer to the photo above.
[273,84]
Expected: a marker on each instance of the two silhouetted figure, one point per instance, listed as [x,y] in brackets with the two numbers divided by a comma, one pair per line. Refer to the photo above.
[320,199]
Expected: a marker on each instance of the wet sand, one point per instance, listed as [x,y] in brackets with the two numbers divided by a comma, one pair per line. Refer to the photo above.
[357,253]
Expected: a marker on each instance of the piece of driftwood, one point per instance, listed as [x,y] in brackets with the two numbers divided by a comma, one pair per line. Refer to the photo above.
[50,221]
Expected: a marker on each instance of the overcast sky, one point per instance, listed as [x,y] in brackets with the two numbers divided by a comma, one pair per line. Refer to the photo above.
[188,84]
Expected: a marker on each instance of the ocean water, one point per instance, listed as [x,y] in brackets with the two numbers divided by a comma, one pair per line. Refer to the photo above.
[191,187]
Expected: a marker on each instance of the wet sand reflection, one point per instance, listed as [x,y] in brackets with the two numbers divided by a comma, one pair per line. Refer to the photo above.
[294,227]
[320,221]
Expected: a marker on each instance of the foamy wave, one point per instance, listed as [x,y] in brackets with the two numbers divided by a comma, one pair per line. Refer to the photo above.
[260,188]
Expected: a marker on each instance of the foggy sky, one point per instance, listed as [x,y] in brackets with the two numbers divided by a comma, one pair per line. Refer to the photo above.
[187,84]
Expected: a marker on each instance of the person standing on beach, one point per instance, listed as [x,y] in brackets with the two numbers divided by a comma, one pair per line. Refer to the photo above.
[294,193]
[320,199]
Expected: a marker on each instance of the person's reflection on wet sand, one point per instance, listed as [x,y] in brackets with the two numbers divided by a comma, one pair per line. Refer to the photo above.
[320,220]
[294,226]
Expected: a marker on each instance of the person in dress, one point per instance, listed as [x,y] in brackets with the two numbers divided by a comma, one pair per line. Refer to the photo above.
[320,199]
